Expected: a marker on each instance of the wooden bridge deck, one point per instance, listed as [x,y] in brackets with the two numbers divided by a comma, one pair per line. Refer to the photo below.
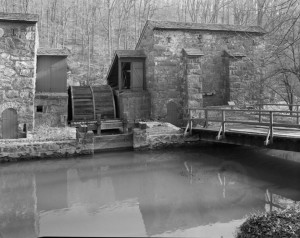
[258,128]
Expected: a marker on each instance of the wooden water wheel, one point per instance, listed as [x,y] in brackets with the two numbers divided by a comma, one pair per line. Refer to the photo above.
[85,102]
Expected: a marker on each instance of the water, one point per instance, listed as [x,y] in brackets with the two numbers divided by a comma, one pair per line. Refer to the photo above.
[201,192]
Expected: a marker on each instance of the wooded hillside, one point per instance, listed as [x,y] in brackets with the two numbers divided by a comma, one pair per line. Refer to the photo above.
[93,29]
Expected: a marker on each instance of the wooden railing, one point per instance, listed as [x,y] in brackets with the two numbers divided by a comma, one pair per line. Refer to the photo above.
[296,106]
[268,122]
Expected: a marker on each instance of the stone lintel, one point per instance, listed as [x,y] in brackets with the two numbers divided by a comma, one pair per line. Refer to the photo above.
[192,52]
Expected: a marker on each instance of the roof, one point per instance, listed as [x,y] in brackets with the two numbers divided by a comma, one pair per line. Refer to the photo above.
[130,53]
[124,54]
[19,17]
[232,54]
[168,25]
[53,51]
[193,52]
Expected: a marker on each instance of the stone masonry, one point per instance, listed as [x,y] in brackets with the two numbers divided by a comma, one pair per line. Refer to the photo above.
[135,104]
[54,109]
[163,43]
[18,46]
[192,61]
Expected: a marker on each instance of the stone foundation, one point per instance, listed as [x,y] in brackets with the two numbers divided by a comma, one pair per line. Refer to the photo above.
[152,135]
[135,105]
[46,149]
[51,109]
[57,143]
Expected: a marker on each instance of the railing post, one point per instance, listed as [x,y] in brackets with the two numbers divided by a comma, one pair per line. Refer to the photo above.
[259,113]
[222,128]
[223,123]
[297,114]
[190,121]
[269,139]
[271,126]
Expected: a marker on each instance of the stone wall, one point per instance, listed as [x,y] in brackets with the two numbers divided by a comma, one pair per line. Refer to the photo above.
[165,69]
[24,149]
[18,44]
[244,82]
[193,81]
[151,135]
[136,105]
[54,109]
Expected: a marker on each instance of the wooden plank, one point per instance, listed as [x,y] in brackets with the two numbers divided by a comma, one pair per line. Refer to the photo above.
[93,100]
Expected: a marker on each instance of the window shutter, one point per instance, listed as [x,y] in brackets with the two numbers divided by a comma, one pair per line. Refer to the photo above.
[137,76]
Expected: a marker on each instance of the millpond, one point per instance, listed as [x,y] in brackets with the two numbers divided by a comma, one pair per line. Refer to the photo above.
[206,191]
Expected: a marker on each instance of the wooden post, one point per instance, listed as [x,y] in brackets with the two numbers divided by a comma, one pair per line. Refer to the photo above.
[190,121]
[259,113]
[125,123]
[206,118]
[271,126]
[223,123]
[98,124]
[269,138]
[297,114]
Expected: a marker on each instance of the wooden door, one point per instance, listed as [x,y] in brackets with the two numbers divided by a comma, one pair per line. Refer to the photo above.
[137,76]
[9,124]
[58,71]
[51,74]
[43,76]
[173,113]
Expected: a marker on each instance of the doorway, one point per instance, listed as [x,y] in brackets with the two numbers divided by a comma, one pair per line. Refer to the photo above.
[9,124]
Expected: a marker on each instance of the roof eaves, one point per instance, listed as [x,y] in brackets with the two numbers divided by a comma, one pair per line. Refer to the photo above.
[143,32]
[19,17]
[114,58]
[161,25]
[53,52]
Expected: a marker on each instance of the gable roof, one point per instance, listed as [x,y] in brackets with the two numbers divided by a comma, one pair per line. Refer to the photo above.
[123,54]
[168,25]
[53,52]
[190,26]
[130,54]
[19,17]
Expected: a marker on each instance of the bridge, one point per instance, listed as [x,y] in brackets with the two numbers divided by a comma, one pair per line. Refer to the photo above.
[273,126]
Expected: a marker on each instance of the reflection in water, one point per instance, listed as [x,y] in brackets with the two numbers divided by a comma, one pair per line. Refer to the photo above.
[17,205]
[203,192]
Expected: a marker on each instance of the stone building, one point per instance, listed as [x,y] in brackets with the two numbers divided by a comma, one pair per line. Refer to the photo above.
[18,48]
[195,65]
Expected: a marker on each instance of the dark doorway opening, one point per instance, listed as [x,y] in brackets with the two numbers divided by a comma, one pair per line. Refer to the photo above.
[9,124]
[126,74]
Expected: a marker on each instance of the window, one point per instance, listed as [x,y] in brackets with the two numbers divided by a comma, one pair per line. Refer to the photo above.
[39,109]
